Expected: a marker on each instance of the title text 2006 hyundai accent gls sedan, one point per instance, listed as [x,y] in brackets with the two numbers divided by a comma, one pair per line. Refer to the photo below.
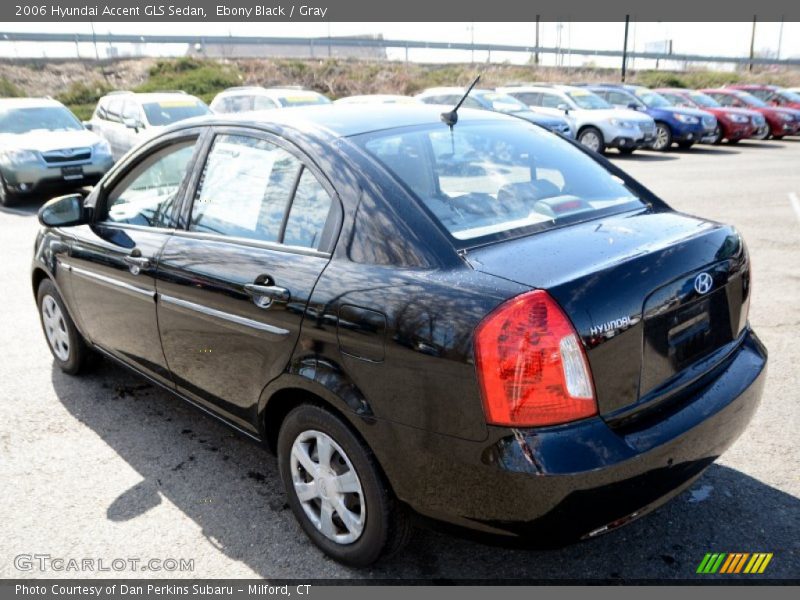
[477,322]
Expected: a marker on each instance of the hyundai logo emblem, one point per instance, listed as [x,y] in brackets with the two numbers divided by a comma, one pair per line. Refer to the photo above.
[703,283]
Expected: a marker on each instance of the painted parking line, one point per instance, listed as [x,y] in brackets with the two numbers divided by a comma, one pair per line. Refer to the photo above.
[795,204]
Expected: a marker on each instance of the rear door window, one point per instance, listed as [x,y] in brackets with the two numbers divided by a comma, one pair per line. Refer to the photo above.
[244,189]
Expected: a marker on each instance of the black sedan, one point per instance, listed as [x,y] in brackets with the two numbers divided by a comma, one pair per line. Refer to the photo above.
[474,321]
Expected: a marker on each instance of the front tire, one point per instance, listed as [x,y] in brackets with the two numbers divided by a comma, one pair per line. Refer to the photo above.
[336,490]
[663,141]
[592,138]
[763,135]
[718,136]
[7,198]
[66,344]
[628,150]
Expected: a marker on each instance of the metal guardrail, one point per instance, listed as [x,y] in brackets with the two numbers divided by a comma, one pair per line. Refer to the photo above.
[324,42]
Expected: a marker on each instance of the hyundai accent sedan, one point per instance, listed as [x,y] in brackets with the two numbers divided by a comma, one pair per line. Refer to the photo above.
[465,318]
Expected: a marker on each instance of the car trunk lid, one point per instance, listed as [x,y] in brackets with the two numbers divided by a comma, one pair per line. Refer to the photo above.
[655,295]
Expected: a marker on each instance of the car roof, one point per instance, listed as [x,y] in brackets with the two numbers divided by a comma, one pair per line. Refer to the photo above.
[152,96]
[452,90]
[533,87]
[10,103]
[344,120]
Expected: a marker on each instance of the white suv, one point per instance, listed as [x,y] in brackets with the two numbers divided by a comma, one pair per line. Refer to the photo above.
[125,119]
[598,125]
[252,98]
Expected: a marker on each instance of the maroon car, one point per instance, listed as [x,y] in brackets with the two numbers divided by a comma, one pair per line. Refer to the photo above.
[781,121]
[773,95]
[733,124]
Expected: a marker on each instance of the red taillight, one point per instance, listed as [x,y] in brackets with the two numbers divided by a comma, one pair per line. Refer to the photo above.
[531,364]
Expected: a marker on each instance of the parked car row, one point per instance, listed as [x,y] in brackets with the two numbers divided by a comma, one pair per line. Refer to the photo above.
[43,146]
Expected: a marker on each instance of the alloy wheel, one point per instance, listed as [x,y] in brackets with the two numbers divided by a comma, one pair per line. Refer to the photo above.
[55,328]
[328,487]
[662,138]
[591,141]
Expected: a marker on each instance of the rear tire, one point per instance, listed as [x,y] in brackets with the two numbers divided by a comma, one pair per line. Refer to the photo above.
[777,137]
[336,489]
[592,138]
[685,145]
[69,349]
[628,150]
[736,141]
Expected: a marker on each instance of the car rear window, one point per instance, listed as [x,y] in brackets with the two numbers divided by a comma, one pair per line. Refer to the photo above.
[485,180]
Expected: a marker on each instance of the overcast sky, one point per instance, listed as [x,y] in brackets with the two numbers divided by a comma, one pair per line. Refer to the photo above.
[727,39]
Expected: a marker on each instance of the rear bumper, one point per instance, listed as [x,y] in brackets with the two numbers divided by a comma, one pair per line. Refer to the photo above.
[550,486]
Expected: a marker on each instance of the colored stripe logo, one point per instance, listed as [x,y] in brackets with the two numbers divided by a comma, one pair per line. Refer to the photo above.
[734,562]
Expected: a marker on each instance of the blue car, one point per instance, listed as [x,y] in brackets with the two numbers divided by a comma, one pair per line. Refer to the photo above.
[496,102]
[684,126]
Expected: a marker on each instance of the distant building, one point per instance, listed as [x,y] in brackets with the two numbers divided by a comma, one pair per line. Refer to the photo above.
[316,48]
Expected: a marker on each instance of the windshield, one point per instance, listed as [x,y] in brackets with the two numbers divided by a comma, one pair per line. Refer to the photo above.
[303,100]
[652,99]
[588,100]
[502,102]
[485,180]
[172,111]
[750,99]
[704,100]
[38,118]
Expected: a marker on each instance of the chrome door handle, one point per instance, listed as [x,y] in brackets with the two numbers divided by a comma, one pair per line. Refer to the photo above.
[264,295]
[136,263]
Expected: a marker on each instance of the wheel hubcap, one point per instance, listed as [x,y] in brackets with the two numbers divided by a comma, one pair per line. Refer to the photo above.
[55,328]
[328,487]
[590,140]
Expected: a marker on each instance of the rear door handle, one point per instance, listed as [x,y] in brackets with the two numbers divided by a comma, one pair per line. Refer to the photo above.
[264,295]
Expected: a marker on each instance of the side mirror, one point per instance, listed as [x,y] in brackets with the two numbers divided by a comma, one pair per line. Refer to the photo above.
[64,211]
[87,125]
[563,107]
[633,106]
[132,123]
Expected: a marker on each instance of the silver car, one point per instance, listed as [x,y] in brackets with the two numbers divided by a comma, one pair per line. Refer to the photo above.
[598,125]
[125,119]
[44,148]
[255,98]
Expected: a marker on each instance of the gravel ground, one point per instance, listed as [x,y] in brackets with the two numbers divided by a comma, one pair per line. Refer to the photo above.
[107,466]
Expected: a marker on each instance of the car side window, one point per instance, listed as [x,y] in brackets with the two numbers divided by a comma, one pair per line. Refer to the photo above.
[146,195]
[618,98]
[131,111]
[244,189]
[263,103]
[529,98]
[551,101]
[309,213]
[114,110]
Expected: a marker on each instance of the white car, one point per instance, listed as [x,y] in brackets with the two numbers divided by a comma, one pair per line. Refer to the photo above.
[126,119]
[44,150]
[597,124]
[377,99]
[255,98]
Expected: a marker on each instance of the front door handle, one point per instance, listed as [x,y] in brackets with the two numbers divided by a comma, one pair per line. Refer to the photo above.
[264,295]
[136,262]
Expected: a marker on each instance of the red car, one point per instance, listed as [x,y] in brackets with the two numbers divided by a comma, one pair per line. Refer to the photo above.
[733,124]
[781,121]
[773,95]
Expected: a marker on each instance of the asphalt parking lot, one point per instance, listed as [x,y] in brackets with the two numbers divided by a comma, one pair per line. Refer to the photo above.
[108,466]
